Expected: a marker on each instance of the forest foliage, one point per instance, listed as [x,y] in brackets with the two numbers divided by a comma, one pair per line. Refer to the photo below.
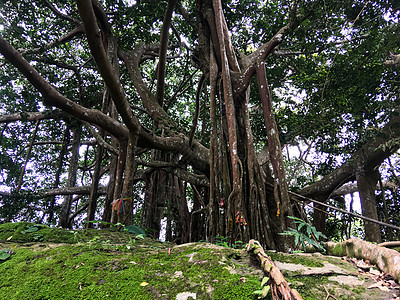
[196,118]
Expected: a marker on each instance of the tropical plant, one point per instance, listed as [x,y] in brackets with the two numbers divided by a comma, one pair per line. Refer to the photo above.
[265,288]
[305,234]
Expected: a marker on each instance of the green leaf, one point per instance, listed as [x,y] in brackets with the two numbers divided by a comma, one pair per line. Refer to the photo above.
[301,226]
[264,280]
[5,254]
[135,230]
[265,291]
[309,230]
[258,292]
[297,220]
[296,239]
[30,229]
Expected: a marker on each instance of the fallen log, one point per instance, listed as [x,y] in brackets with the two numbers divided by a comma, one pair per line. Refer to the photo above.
[387,260]
[279,286]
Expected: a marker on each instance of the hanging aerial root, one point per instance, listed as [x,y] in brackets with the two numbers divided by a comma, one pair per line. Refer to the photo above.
[279,286]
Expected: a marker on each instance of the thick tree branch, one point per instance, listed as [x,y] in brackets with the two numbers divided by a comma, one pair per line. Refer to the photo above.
[150,102]
[76,190]
[99,139]
[274,146]
[62,40]
[53,98]
[230,108]
[30,116]
[251,61]
[280,288]
[60,14]
[371,154]
[110,77]
[163,51]
[387,260]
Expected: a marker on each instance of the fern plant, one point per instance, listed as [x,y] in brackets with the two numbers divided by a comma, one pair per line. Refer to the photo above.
[305,234]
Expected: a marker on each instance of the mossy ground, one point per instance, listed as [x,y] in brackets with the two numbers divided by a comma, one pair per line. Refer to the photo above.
[16,232]
[53,263]
[308,261]
[98,268]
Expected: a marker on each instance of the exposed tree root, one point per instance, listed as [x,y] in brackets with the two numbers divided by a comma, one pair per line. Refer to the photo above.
[279,286]
[328,295]
[387,260]
[391,244]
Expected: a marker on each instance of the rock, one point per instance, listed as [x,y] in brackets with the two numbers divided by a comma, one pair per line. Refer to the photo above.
[348,280]
[185,296]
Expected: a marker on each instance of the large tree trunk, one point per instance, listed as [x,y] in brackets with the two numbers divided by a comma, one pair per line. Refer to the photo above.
[319,216]
[367,180]
[94,187]
[72,174]
[238,195]
[60,162]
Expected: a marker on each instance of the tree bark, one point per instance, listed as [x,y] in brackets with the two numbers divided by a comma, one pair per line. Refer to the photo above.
[367,180]
[60,162]
[94,188]
[72,174]
[372,154]
[21,178]
[280,288]
[387,260]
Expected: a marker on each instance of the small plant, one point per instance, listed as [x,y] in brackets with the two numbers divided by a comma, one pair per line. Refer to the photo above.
[76,235]
[38,237]
[238,245]
[263,292]
[305,233]
[224,242]
[134,229]
[5,254]
[133,240]
[33,228]
[94,240]
[221,241]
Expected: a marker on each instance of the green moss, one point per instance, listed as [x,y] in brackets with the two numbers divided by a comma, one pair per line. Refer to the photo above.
[98,270]
[385,261]
[350,247]
[359,289]
[16,232]
[359,252]
[103,265]
[308,261]
[338,250]
[307,287]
